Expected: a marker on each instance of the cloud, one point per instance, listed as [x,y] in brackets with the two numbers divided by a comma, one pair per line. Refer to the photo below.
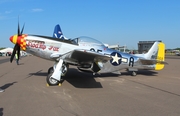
[37,10]
[5,15]
[8,12]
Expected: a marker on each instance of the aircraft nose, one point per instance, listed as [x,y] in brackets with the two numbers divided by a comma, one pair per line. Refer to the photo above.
[20,40]
[13,39]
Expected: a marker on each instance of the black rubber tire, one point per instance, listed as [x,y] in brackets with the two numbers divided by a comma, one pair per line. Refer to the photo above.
[51,81]
[50,70]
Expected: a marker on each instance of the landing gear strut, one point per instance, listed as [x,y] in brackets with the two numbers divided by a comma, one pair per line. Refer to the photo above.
[55,80]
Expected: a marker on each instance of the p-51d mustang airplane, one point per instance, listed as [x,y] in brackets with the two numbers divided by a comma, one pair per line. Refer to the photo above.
[86,53]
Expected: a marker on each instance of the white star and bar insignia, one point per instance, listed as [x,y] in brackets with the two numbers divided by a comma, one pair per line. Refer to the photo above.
[117,59]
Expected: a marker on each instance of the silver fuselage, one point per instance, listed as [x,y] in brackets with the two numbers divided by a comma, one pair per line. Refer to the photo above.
[45,47]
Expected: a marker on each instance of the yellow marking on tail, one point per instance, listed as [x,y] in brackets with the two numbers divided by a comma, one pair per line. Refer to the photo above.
[160,56]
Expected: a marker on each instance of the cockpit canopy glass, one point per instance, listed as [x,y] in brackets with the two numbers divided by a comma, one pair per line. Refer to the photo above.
[84,39]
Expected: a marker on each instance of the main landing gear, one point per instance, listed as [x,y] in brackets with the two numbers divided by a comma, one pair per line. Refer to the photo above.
[56,73]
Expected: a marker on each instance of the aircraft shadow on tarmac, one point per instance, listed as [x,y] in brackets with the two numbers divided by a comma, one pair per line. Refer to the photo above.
[81,79]
[1,111]
[38,73]
[141,72]
[87,80]
[7,85]
[75,78]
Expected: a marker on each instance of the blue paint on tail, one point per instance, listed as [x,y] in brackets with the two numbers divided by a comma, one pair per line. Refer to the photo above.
[57,32]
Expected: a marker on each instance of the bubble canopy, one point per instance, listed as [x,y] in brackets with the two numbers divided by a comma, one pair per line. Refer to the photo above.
[84,39]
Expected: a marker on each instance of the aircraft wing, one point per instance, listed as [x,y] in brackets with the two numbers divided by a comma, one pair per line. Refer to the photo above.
[83,57]
[151,62]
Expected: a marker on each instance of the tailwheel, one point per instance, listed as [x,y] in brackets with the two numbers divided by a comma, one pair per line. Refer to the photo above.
[51,81]
[134,73]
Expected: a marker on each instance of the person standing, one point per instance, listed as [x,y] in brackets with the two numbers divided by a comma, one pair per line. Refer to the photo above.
[17,60]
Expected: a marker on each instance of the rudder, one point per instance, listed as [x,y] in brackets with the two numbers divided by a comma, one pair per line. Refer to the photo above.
[160,56]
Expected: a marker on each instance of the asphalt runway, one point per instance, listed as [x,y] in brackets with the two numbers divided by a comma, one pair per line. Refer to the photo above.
[150,93]
[4,59]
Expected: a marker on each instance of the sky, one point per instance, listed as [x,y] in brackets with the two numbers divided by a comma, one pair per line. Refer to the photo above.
[122,22]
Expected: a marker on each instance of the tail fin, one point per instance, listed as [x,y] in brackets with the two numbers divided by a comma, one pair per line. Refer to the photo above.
[157,52]
[57,32]
[153,51]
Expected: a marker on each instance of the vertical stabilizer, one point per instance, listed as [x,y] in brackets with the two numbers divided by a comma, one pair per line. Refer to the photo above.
[152,53]
[57,32]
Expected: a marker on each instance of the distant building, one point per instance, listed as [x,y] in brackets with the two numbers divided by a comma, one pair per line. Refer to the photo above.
[144,46]
[119,48]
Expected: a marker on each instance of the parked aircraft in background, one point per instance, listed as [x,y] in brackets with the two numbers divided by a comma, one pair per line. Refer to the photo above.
[178,53]
[6,52]
[86,53]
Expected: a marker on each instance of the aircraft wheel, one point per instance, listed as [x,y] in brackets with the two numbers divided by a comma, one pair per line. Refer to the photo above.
[50,70]
[134,73]
[51,81]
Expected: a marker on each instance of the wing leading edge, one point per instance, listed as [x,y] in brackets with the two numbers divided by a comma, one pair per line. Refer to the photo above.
[82,57]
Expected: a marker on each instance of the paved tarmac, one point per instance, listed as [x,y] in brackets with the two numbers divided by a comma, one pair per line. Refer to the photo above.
[150,93]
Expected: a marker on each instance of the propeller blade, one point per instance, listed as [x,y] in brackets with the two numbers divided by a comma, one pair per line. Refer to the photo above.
[17,47]
[18,51]
[14,52]
[19,29]
[22,29]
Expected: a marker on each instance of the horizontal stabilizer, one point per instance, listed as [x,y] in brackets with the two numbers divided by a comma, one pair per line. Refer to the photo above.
[151,62]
